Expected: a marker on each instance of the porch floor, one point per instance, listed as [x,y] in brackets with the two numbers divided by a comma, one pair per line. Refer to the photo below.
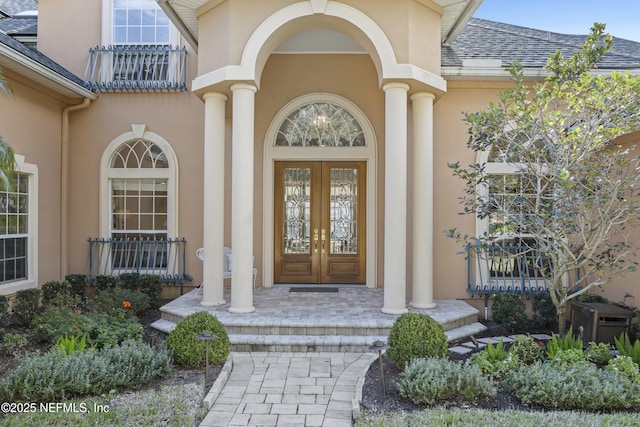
[311,319]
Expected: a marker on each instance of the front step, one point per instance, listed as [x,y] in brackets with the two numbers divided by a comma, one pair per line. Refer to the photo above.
[349,320]
[316,343]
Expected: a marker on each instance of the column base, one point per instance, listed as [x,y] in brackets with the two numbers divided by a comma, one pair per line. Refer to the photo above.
[241,310]
[212,303]
[394,310]
[419,305]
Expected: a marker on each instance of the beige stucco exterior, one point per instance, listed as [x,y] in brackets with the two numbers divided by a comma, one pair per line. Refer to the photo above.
[230,32]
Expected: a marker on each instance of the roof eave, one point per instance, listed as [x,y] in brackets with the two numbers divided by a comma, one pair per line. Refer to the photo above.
[177,20]
[502,74]
[24,66]
[186,13]
[461,21]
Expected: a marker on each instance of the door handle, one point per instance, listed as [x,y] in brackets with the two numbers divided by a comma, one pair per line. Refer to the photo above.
[324,239]
[315,240]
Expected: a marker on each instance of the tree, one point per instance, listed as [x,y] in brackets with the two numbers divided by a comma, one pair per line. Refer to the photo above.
[583,189]
[7,159]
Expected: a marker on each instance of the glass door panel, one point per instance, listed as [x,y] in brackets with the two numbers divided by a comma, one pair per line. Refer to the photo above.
[343,211]
[297,211]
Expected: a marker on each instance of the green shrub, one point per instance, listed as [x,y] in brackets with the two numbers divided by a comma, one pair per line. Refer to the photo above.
[109,302]
[508,310]
[568,357]
[188,350]
[101,329]
[55,376]
[579,386]
[586,297]
[129,281]
[625,348]
[570,341]
[545,315]
[427,381]
[4,311]
[626,367]
[54,288]
[13,344]
[52,323]
[105,282]
[78,283]
[151,284]
[415,335]
[495,361]
[599,353]
[26,306]
[59,293]
[527,349]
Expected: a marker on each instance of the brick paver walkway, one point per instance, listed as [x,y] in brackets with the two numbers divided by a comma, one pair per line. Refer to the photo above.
[290,389]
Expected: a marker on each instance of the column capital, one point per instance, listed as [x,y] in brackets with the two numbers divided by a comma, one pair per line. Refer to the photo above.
[217,95]
[396,85]
[419,95]
[245,86]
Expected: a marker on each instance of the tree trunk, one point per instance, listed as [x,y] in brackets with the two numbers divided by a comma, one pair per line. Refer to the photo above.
[561,308]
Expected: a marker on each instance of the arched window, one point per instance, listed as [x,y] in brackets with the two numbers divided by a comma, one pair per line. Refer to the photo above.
[139,188]
[320,124]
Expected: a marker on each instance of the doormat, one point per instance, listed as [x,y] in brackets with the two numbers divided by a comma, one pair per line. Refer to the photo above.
[313,289]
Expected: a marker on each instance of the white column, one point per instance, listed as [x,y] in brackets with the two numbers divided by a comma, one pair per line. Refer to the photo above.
[213,227]
[422,280]
[242,198]
[395,199]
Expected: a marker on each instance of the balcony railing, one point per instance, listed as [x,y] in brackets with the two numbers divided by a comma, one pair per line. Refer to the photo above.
[137,68]
[510,268]
[163,257]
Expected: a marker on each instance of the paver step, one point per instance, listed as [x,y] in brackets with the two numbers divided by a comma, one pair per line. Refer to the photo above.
[303,343]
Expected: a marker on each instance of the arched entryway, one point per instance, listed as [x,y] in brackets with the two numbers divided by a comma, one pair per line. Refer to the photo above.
[360,154]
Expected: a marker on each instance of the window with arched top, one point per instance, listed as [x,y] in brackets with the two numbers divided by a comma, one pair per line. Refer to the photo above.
[139,173]
[320,124]
[139,154]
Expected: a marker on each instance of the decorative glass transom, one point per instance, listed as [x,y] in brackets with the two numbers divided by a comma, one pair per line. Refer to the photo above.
[139,154]
[320,124]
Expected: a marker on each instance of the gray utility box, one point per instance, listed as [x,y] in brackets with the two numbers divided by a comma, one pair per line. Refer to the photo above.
[597,322]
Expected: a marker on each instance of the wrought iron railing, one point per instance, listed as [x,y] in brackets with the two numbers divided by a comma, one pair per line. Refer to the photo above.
[137,68]
[510,268]
[163,257]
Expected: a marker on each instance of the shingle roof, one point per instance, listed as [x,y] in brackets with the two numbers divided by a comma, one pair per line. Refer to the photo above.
[483,39]
[20,26]
[40,58]
[13,7]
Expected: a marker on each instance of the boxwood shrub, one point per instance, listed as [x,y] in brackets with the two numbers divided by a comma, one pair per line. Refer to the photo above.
[416,335]
[188,350]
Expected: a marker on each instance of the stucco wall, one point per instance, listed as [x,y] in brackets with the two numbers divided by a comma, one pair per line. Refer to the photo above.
[30,121]
[412,28]
[178,118]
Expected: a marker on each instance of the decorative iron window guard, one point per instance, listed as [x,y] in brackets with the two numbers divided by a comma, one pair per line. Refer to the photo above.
[163,257]
[510,268]
[137,68]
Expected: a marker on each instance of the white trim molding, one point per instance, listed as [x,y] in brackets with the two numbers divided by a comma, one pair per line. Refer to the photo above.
[282,24]
[31,282]
[139,131]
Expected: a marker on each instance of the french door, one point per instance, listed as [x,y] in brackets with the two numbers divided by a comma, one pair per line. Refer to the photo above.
[320,219]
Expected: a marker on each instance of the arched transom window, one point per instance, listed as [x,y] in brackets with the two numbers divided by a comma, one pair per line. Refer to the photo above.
[320,124]
[139,154]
